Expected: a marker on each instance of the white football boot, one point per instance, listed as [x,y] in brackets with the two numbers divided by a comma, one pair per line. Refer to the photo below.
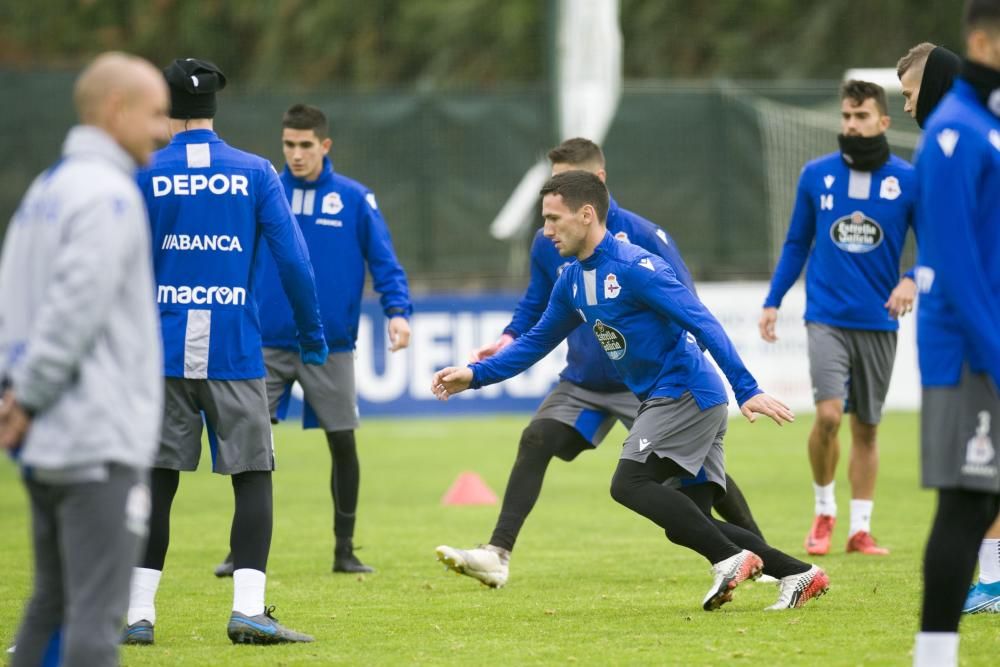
[797,589]
[487,563]
[729,574]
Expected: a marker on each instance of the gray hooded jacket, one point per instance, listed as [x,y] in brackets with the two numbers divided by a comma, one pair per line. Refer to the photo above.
[79,334]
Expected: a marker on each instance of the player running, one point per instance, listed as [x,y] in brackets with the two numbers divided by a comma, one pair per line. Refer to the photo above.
[590,398]
[640,314]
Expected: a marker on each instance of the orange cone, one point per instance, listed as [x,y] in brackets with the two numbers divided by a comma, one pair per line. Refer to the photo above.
[469,489]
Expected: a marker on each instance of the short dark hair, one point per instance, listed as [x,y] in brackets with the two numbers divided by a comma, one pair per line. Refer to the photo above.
[578,187]
[577,151]
[306,117]
[983,14]
[859,91]
[914,58]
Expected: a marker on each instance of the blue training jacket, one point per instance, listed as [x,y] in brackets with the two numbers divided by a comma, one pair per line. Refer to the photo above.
[586,363]
[958,167]
[209,204]
[639,313]
[344,230]
[851,227]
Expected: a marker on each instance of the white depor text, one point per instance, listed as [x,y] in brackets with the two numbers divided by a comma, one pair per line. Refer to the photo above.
[192,184]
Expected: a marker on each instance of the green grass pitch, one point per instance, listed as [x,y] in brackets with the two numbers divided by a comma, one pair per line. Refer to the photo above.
[591,583]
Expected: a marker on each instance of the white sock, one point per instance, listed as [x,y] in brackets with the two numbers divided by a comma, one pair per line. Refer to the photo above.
[936,649]
[861,516]
[248,591]
[989,561]
[142,593]
[826,502]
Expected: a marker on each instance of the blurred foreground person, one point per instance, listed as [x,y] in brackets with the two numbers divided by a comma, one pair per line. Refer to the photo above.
[958,328]
[926,73]
[80,359]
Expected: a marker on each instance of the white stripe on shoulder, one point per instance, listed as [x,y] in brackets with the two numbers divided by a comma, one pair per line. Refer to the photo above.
[590,286]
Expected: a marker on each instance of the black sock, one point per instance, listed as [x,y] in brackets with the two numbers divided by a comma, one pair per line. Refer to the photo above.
[639,486]
[734,509]
[250,536]
[345,480]
[540,441]
[163,486]
[962,519]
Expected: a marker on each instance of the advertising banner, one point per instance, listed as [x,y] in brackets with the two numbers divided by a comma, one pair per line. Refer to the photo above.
[446,328]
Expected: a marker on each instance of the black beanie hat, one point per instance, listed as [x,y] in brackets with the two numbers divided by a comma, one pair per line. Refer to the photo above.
[939,72]
[193,84]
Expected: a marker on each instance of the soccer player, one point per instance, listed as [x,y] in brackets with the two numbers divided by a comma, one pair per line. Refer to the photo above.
[344,231]
[850,219]
[958,328]
[641,314]
[580,411]
[926,73]
[80,360]
[209,204]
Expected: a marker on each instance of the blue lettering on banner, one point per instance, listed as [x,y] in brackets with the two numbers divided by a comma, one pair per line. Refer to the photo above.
[445,330]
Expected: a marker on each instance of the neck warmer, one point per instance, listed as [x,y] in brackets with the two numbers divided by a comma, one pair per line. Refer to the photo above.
[986,82]
[939,72]
[864,153]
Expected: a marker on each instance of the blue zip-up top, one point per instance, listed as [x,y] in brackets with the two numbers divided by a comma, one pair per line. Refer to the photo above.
[344,230]
[639,313]
[586,363]
[958,167]
[850,226]
[209,204]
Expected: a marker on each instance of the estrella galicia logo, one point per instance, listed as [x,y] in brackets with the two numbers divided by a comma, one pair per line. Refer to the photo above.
[610,339]
[856,233]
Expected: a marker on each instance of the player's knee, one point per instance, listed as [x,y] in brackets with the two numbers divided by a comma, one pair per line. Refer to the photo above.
[828,418]
[535,440]
[624,484]
[342,445]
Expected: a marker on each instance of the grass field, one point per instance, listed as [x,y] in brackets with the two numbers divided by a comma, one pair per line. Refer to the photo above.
[591,583]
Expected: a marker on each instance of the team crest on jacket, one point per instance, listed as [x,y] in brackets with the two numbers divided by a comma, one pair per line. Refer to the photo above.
[622,236]
[889,188]
[610,339]
[332,204]
[611,287]
[856,233]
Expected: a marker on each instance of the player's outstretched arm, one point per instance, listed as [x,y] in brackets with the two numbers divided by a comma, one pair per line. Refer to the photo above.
[768,406]
[451,380]
[768,322]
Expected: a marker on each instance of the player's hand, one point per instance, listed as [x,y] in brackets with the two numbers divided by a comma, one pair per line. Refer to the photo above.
[901,300]
[399,333]
[14,421]
[490,349]
[768,406]
[451,380]
[314,355]
[768,320]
